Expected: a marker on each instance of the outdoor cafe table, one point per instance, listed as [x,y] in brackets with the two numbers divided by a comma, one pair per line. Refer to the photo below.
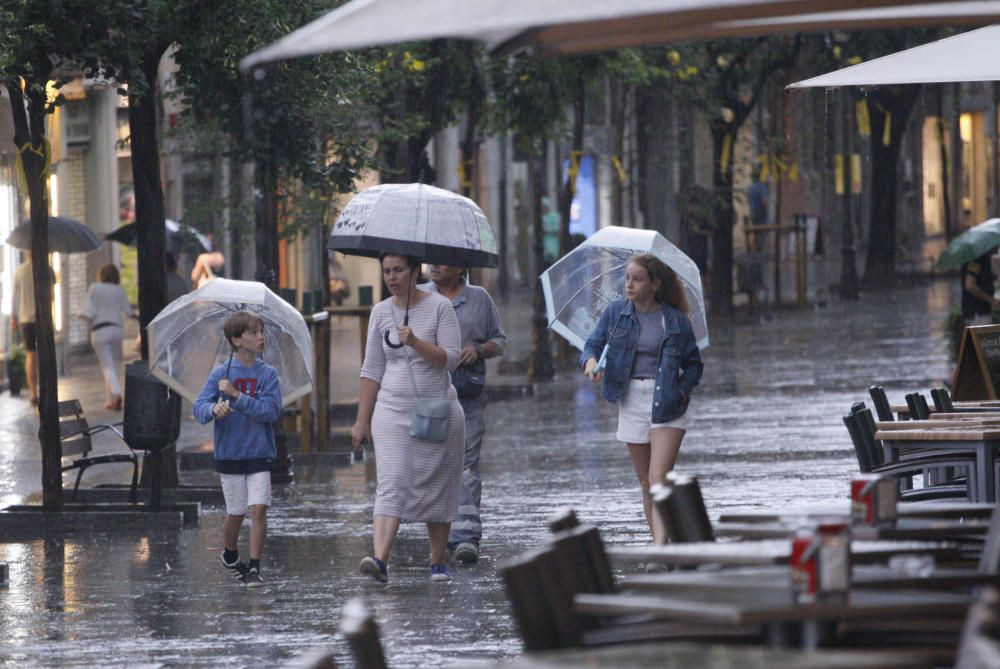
[911,576]
[983,442]
[939,510]
[702,655]
[905,529]
[771,552]
[785,621]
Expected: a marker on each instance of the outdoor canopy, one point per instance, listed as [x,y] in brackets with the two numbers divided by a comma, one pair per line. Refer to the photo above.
[594,25]
[971,56]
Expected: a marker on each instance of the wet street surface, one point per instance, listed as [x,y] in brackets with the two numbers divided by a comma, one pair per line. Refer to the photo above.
[765,431]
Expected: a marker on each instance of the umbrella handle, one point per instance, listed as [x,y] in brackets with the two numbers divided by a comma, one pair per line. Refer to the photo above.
[389,343]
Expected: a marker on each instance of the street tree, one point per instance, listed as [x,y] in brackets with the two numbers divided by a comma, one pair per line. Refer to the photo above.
[44,45]
[724,80]
[299,121]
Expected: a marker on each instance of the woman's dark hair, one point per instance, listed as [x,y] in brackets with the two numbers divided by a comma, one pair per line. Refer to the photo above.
[671,291]
[412,261]
[108,274]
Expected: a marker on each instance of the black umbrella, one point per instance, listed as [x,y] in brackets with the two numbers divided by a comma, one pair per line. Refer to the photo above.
[178,236]
[66,235]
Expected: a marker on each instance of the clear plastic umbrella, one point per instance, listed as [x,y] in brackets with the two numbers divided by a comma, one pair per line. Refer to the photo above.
[582,283]
[186,341]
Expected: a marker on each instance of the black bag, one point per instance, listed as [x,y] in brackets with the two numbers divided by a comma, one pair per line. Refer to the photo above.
[469,380]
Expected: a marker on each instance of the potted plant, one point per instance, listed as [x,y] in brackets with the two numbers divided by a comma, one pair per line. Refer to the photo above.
[15,370]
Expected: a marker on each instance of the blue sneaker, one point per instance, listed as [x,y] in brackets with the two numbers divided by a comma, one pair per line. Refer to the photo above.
[372,566]
[439,572]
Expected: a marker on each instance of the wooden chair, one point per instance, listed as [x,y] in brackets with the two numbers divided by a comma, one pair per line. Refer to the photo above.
[871,459]
[75,438]
[681,509]
[919,410]
[361,631]
[881,403]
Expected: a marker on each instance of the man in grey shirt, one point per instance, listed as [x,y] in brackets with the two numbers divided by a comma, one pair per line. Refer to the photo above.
[482,338]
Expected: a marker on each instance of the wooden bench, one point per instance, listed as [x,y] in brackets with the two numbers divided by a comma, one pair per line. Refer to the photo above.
[75,435]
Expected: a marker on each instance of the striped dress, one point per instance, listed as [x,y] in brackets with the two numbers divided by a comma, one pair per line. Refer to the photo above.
[418,481]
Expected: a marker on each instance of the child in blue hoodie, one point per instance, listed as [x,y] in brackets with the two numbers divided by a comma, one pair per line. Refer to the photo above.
[244,399]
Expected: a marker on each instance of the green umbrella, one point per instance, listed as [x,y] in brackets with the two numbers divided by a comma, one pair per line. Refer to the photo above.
[971,244]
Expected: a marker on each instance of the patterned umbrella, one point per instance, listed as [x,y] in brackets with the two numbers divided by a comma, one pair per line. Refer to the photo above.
[582,283]
[66,235]
[432,224]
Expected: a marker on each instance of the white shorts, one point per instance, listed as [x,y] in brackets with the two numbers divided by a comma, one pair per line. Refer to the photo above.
[245,490]
[635,413]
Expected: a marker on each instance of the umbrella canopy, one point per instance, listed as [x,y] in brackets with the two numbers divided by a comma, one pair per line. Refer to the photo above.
[432,224]
[581,284]
[594,25]
[178,236]
[186,341]
[971,56]
[971,244]
[66,235]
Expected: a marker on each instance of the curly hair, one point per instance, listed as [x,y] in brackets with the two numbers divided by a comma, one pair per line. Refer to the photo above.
[670,291]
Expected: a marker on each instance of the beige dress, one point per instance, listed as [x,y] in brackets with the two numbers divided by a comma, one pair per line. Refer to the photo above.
[417,480]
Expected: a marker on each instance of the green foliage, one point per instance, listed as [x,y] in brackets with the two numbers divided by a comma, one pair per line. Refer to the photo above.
[307,113]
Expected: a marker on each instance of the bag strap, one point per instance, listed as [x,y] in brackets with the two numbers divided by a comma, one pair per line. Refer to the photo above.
[409,362]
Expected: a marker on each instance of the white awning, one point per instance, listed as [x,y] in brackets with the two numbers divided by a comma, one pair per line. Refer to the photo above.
[594,25]
[971,56]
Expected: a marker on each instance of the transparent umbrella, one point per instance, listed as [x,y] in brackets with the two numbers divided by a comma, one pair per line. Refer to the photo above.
[582,283]
[187,342]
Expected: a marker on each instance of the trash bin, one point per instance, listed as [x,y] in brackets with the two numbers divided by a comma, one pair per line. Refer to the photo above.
[152,420]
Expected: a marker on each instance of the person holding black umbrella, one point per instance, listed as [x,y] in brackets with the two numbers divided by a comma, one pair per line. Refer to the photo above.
[978,282]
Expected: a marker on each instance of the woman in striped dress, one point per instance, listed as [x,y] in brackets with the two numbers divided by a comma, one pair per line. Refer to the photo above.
[418,480]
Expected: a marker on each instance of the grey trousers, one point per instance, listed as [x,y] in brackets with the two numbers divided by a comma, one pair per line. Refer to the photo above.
[468,526]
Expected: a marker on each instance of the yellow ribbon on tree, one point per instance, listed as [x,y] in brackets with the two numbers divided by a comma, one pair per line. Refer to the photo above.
[887,130]
[574,168]
[44,152]
[622,175]
[864,121]
[727,149]
[838,174]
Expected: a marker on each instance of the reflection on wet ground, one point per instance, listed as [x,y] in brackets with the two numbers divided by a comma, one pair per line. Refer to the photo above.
[765,431]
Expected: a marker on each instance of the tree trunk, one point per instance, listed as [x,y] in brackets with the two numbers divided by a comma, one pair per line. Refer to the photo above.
[995,158]
[656,197]
[946,194]
[151,236]
[721,271]
[540,364]
[892,107]
[29,133]
[848,252]
[568,191]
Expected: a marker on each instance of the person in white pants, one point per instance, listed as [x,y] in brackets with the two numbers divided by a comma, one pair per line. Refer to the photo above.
[105,308]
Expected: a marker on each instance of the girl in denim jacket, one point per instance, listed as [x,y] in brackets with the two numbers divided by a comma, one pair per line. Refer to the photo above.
[651,366]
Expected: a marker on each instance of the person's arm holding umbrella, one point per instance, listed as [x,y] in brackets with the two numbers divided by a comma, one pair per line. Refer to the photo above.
[206,407]
[969,281]
[594,348]
[266,407]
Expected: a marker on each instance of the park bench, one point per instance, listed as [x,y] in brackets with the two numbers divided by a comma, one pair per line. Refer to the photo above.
[76,439]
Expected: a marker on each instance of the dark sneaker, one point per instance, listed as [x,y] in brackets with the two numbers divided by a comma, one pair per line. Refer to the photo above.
[467,553]
[375,568]
[439,572]
[238,569]
[253,579]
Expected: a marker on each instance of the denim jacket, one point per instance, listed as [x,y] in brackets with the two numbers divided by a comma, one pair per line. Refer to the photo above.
[678,364]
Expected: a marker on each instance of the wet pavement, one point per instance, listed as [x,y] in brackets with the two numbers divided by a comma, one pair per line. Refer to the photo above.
[765,431]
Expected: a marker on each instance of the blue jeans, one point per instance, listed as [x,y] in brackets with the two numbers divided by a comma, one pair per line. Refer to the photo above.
[468,526]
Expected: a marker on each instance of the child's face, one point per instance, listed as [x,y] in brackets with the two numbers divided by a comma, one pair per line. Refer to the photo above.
[252,340]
